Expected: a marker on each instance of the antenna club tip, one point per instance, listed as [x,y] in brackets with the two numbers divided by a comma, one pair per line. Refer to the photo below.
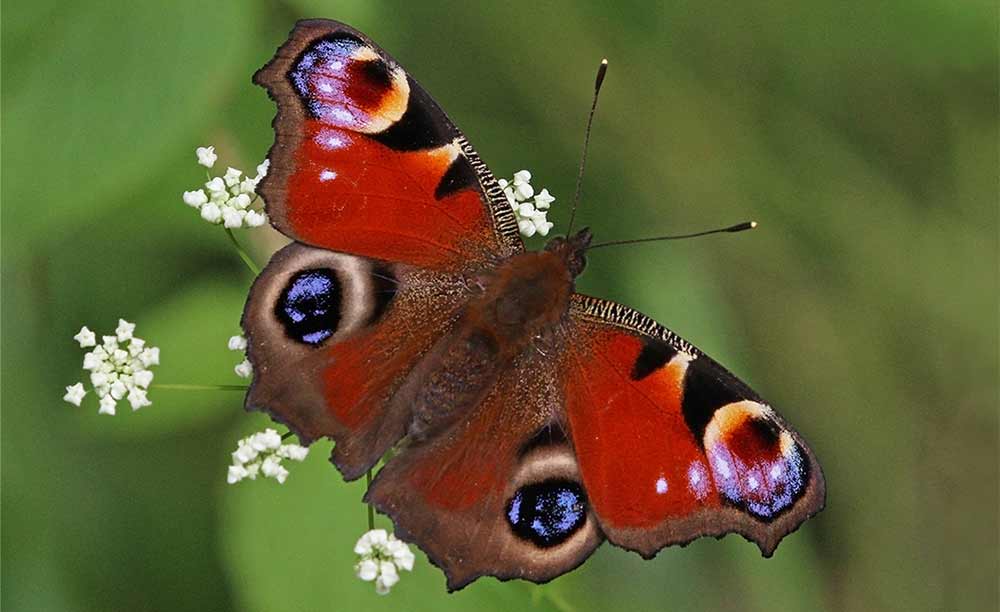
[753,225]
[604,62]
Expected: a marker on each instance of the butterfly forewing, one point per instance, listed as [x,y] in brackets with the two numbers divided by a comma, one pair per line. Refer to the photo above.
[671,445]
[365,162]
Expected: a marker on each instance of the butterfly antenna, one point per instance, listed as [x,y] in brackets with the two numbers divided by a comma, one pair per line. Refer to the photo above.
[739,227]
[601,71]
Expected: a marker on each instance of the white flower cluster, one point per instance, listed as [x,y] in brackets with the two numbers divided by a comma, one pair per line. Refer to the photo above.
[529,208]
[380,556]
[243,369]
[229,197]
[262,453]
[119,368]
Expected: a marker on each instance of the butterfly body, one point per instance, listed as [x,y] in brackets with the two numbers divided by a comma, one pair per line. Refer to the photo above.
[530,422]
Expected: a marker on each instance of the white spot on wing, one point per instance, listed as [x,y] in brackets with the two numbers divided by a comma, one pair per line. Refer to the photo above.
[661,485]
[723,468]
[327,175]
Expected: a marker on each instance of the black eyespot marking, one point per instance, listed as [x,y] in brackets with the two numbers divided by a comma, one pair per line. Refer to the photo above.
[765,432]
[418,128]
[309,306]
[654,355]
[704,393]
[376,74]
[547,513]
[459,176]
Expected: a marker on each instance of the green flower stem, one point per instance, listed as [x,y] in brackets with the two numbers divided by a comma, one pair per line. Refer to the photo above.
[200,387]
[242,253]
[371,508]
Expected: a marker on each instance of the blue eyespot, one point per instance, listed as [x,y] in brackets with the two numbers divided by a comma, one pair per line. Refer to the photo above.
[309,306]
[547,513]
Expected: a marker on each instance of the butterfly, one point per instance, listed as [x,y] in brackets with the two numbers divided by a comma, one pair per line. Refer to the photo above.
[521,423]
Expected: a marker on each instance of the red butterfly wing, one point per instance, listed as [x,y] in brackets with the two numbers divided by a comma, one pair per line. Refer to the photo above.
[365,162]
[671,445]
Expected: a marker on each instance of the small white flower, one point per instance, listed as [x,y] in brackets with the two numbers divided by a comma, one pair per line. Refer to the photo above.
[524,191]
[74,394]
[254,219]
[366,570]
[272,468]
[543,199]
[236,474]
[247,186]
[142,378]
[266,440]
[206,156]
[107,405]
[99,379]
[263,453]
[293,452]
[117,373]
[241,202]
[243,369]
[388,576]
[232,217]
[244,453]
[402,556]
[237,343]
[216,186]
[92,361]
[137,398]
[117,390]
[150,357]
[232,177]
[124,330]
[529,212]
[508,192]
[211,212]
[229,198]
[195,199]
[85,337]
[380,557]
[135,346]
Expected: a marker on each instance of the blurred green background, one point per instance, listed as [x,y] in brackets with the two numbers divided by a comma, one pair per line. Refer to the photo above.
[862,136]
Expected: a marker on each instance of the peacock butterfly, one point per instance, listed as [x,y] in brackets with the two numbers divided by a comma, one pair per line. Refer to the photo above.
[528,422]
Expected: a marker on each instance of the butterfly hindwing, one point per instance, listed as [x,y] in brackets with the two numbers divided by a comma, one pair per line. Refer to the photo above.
[331,339]
[365,162]
[671,445]
[499,492]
